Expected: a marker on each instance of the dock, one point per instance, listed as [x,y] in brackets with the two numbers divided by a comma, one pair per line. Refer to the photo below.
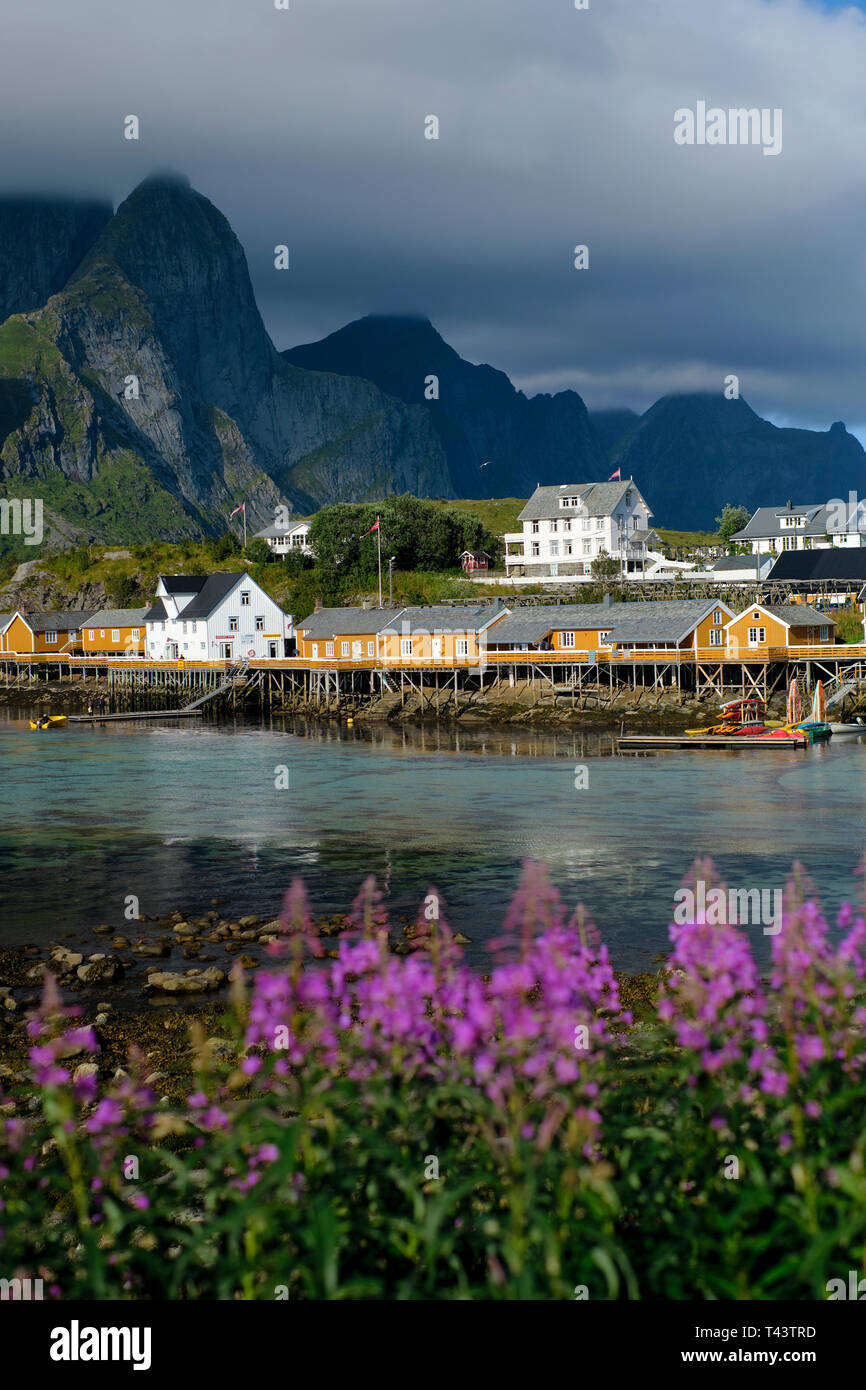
[710,741]
[132,714]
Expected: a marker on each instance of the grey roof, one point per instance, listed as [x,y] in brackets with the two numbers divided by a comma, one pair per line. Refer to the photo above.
[443,618]
[64,620]
[663,619]
[329,622]
[184,583]
[215,588]
[5,620]
[156,613]
[344,622]
[649,535]
[118,617]
[767,521]
[271,532]
[752,563]
[596,499]
[797,614]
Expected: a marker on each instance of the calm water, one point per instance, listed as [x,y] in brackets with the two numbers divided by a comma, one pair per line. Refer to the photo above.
[178,814]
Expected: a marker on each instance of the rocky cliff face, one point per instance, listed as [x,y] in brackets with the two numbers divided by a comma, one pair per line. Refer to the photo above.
[42,240]
[691,454]
[498,442]
[145,399]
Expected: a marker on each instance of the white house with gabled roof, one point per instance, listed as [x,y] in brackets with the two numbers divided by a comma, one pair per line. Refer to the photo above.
[225,616]
[567,527]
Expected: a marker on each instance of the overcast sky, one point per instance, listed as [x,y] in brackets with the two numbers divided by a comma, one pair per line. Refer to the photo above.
[306,127]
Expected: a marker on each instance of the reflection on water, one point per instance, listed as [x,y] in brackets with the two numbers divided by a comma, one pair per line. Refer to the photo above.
[179,813]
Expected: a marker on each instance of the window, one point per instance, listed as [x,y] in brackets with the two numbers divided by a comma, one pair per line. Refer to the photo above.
[586,523]
[344,649]
[245,598]
[599,523]
[566,639]
[575,501]
[101,633]
[52,636]
[634,523]
[628,499]
[789,542]
[535,528]
[587,547]
[186,646]
[717,616]
[329,649]
[201,644]
[566,525]
[716,637]
[566,548]
[260,623]
[461,646]
[757,636]
[233,624]
[115,634]
[405,646]
[135,634]
[184,629]
[536,549]
[604,638]
[91,634]
[554,525]
[554,547]
[370,648]
[824,634]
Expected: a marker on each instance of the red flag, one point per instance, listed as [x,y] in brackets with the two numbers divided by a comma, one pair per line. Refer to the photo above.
[241,508]
[617,474]
[374,527]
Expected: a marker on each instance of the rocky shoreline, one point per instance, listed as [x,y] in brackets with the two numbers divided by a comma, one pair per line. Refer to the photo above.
[146,994]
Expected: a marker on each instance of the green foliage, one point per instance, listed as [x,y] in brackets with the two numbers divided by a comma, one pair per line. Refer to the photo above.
[258,552]
[225,547]
[733,518]
[605,567]
[122,591]
[421,535]
[849,625]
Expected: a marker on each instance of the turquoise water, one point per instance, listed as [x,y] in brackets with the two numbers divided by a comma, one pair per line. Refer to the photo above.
[179,814]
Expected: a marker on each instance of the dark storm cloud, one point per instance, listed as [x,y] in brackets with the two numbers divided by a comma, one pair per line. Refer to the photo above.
[306,128]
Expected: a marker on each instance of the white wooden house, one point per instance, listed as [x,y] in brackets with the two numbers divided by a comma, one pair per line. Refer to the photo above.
[215,617]
[565,528]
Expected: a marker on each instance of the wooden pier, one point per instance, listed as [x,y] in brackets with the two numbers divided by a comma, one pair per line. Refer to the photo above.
[710,741]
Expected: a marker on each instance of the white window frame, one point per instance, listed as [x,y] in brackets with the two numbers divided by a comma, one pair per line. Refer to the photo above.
[405,646]
[717,637]
[461,646]
[757,636]
[115,634]
[344,649]
[566,639]
[371,648]
[91,635]
[50,637]
[245,598]
[717,616]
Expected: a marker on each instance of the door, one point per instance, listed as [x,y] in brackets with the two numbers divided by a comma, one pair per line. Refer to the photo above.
[227,651]
[272,649]
[437,648]
[357,651]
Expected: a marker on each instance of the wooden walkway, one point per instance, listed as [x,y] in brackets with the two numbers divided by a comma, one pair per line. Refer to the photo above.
[133,714]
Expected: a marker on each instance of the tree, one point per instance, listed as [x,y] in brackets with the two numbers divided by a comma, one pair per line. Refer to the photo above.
[259,552]
[732,519]
[225,546]
[604,566]
[120,590]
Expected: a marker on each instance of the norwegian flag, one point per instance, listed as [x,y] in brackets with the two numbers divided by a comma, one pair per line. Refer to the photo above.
[241,508]
[617,474]
[374,527]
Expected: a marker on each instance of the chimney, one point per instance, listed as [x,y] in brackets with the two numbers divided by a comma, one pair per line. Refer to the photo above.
[790,507]
[607,601]
[318,606]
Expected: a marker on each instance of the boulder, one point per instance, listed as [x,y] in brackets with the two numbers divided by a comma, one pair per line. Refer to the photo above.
[100,969]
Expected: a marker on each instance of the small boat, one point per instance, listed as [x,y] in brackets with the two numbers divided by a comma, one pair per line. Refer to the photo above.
[859,727]
[48,721]
[816,726]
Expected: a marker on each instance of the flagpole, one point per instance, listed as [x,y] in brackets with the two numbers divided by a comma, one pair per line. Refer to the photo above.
[379,548]
[245,526]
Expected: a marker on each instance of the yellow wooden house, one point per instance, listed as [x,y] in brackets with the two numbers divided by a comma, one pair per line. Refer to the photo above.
[56,634]
[761,630]
[115,632]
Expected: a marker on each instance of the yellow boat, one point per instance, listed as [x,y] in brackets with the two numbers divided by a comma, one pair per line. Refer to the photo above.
[48,721]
